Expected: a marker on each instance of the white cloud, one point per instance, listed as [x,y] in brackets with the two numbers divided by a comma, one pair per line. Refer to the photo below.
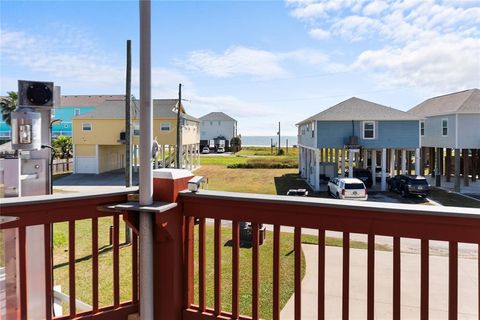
[236,61]
[243,61]
[319,34]
[422,43]
[375,7]
[73,59]
[232,106]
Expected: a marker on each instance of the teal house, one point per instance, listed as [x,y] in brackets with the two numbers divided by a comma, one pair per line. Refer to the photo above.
[70,106]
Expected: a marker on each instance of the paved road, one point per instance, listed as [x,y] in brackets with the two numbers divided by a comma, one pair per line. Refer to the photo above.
[108,181]
[410,286]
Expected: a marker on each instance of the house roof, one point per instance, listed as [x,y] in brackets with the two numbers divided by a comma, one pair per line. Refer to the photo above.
[115,109]
[88,100]
[359,110]
[216,116]
[467,101]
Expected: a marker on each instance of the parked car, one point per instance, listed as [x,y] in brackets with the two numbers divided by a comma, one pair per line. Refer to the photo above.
[409,185]
[347,188]
[297,192]
[220,150]
[363,174]
[205,150]
[378,173]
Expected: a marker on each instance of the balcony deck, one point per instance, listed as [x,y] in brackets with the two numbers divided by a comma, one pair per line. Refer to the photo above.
[175,261]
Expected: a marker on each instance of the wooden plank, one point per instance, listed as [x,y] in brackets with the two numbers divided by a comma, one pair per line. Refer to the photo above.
[188,280]
[346,276]
[22,251]
[452,280]
[255,244]
[95,265]
[235,269]
[298,270]
[218,265]
[48,271]
[71,267]
[116,262]
[201,264]
[321,274]
[371,277]
[396,278]
[276,272]
[134,267]
[424,279]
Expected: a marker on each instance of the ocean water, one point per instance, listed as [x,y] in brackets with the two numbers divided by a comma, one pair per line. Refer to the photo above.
[264,141]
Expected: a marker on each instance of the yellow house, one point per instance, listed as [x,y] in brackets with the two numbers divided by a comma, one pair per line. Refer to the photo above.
[99,136]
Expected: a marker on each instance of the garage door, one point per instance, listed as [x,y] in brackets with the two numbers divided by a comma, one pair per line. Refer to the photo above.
[86,164]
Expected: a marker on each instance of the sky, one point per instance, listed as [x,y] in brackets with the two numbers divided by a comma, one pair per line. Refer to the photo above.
[261,62]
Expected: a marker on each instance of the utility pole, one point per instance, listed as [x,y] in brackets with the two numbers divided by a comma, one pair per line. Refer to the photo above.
[278,151]
[179,133]
[128,133]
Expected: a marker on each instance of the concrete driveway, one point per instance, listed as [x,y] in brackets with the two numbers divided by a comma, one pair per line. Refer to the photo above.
[108,181]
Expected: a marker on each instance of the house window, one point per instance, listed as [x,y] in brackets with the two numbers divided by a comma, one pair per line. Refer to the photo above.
[165,127]
[65,126]
[422,128]
[211,123]
[368,130]
[444,127]
[86,126]
[136,129]
[76,112]
[313,129]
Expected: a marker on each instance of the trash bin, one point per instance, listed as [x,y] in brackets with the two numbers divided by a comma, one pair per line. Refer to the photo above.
[246,234]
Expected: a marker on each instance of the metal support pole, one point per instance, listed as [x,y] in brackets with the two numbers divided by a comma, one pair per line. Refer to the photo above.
[146,174]
[383,183]
[438,170]
[417,162]
[456,186]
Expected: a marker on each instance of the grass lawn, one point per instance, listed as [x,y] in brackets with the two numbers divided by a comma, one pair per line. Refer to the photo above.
[266,151]
[221,160]
[287,257]
[446,198]
[83,267]
[265,181]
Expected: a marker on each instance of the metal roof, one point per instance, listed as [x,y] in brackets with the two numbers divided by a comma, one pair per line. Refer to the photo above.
[467,101]
[115,109]
[215,116]
[360,110]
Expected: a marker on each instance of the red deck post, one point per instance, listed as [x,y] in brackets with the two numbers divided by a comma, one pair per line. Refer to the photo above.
[169,251]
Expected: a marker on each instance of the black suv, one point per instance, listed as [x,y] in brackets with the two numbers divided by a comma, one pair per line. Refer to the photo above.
[363,174]
[408,185]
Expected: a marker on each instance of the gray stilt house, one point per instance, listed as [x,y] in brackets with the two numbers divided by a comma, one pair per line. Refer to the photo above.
[450,136]
[357,133]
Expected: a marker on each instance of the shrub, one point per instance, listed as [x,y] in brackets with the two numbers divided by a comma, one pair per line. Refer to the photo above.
[266,163]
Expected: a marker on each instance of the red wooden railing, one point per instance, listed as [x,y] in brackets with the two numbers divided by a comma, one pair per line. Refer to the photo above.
[46,211]
[398,221]
[174,245]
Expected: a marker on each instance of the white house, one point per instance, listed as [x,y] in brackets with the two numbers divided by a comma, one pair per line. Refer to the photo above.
[217,125]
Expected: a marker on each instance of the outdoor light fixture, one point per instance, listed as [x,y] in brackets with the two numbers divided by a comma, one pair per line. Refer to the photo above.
[26,122]
[26,129]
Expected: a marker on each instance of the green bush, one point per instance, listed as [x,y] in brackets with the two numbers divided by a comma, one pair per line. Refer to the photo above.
[266,163]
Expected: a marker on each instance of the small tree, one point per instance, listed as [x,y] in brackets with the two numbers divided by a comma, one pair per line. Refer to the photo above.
[64,147]
[8,104]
